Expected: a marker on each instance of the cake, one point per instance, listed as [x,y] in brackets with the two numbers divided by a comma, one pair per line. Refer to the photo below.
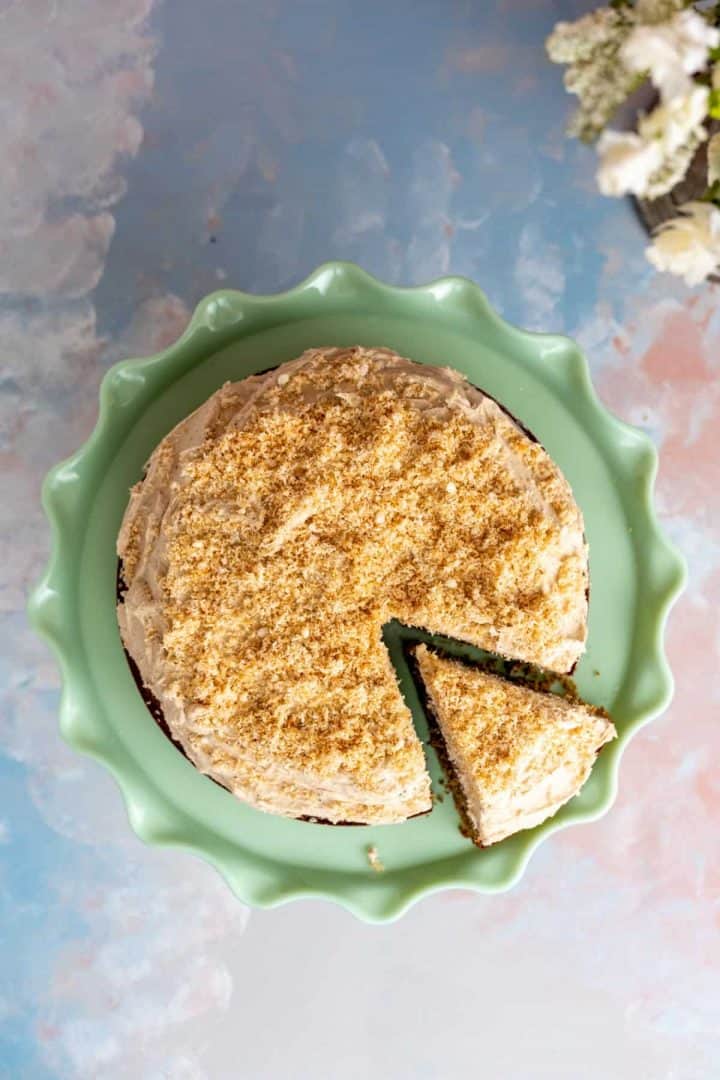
[279,528]
[515,754]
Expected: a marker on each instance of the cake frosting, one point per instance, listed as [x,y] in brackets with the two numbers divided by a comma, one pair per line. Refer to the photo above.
[282,524]
[518,754]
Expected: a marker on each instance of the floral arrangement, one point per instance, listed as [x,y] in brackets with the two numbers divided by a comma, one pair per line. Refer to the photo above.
[611,53]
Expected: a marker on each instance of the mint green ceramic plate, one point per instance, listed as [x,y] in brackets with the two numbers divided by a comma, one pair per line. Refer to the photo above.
[544,381]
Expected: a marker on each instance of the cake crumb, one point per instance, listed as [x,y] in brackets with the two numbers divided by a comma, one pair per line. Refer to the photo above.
[374,859]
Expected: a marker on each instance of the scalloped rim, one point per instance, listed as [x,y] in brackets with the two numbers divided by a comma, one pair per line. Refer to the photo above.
[131,383]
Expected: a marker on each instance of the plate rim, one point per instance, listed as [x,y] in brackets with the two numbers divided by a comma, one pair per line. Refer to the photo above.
[127,390]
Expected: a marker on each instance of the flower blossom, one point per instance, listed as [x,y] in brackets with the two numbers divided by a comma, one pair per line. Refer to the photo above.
[590,47]
[650,162]
[671,51]
[627,162]
[689,245]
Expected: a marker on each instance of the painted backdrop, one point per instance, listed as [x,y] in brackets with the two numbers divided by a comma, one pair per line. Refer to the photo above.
[149,153]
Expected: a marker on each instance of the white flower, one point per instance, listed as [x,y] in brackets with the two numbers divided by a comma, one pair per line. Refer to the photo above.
[580,40]
[689,245]
[713,158]
[651,161]
[609,52]
[596,74]
[678,127]
[677,121]
[671,51]
[672,171]
[627,161]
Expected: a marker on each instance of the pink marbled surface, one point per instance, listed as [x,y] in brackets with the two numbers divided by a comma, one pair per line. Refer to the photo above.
[128,962]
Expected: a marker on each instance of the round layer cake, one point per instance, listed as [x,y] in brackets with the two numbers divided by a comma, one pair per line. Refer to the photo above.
[281,525]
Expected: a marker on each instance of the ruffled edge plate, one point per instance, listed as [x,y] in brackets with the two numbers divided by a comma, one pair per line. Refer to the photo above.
[636,575]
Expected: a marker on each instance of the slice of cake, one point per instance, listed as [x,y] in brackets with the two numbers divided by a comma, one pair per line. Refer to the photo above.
[516,754]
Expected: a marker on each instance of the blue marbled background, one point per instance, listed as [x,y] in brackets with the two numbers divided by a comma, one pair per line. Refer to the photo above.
[150,152]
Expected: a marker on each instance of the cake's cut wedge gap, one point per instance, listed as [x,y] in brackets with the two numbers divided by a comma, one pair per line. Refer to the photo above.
[461,650]
[513,753]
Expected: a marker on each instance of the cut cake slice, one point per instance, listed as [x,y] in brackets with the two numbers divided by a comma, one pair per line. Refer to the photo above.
[516,755]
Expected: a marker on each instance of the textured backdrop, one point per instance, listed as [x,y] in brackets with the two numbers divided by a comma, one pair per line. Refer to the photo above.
[150,152]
